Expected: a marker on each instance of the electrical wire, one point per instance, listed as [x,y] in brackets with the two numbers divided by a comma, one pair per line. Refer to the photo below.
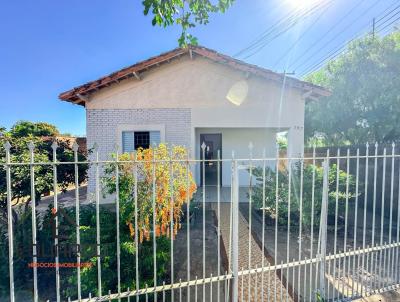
[282,26]
[313,54]
[304,33]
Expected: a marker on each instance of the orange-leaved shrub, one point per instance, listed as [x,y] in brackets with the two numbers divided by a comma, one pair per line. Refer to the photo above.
[159,182]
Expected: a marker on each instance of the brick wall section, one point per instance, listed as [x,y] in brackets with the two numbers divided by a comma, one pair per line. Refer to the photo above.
[101,128]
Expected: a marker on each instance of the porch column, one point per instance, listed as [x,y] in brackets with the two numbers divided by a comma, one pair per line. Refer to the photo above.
[296,141]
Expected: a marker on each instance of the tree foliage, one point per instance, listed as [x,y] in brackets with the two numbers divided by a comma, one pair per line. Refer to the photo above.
[174,186]
[306,200]
[186,13]
[19,136]
[26,128]
[365,101]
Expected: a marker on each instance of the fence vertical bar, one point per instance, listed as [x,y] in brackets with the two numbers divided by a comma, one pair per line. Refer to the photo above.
[203,148]
[219,221]
[153,187]
[391,208]
[235,230]
[336,212]
[250,218]
[365,208]
[346,213]
[55,191]
[135,173]
[276,212]
[382,212]
[75,148]
[300,219]
[323,226]
[356,213]
[312,220]
[97,192]
[172,226]
[31,147]
[263,227]
[188,228]
[289,216]
[7,147]
[117,221]
[397,229]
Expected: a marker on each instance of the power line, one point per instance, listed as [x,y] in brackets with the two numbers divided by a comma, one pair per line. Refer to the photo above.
[332,55]
[312,55]
[286,23]
[331,29]
[304,33]
[266,32]
[389,19]
[288,27]
[389,24]
[377,21]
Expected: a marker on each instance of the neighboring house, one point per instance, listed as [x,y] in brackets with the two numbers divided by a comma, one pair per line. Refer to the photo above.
[194,95]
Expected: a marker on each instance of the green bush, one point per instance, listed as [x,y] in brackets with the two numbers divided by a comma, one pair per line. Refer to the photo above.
[283,195]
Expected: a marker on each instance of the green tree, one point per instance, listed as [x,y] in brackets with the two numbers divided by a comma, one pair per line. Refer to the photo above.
[26,128]
[365,101]
[307,198]
[19,136]
[186,13]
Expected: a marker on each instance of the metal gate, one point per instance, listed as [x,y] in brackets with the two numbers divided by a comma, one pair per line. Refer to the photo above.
[320,227]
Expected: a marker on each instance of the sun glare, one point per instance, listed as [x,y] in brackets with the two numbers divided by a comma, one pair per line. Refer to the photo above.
[302,3]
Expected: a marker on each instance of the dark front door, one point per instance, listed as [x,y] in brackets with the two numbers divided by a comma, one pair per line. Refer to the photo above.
[213,143]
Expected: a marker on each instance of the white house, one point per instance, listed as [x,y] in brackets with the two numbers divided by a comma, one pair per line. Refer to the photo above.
[187,96]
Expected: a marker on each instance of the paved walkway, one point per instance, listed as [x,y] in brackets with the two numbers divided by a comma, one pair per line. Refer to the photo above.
[251,289]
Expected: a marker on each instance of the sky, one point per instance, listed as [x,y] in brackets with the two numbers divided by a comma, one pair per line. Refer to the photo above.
[48,46]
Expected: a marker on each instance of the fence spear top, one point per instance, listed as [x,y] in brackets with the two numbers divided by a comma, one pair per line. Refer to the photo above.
[251,146]
[54,145]
[31,146]
[75,146]
[7,146]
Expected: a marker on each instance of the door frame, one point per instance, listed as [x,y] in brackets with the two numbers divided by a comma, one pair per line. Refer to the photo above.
[201,158]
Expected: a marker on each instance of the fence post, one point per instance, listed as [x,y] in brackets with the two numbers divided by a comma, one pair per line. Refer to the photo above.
[235,230]
[7,146]
[322,229]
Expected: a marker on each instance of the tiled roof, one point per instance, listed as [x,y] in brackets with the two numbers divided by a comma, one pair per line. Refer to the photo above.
[77,94]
